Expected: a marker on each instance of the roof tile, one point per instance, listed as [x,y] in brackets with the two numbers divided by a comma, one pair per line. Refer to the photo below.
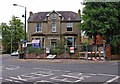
[66,16]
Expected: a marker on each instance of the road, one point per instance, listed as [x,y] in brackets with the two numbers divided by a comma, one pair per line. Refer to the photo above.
[37,71]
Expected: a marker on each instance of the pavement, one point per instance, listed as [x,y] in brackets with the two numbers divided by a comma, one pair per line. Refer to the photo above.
[59,60]
[64,60]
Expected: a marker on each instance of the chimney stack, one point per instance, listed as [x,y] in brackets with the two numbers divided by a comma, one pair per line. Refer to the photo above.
[30,14]
[79,12]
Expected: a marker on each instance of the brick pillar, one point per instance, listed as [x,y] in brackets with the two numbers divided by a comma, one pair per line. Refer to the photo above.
[108,51]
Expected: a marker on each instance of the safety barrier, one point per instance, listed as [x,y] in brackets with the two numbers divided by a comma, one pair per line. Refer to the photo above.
[91,55]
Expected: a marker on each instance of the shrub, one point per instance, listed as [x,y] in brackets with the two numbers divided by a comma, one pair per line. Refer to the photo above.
[58,49]
[35,50]
[30,50]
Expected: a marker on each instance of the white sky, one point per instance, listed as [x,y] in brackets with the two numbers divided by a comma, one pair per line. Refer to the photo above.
[8,10]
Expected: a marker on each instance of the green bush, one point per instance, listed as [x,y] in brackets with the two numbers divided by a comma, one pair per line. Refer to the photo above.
[30,50]
[35,50]
[58,49]
[39,50]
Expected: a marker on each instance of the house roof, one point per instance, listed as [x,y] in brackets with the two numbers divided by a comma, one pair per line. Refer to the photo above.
[65,15]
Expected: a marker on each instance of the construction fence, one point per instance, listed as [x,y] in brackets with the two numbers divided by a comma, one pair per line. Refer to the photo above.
[92,52]
[86,52]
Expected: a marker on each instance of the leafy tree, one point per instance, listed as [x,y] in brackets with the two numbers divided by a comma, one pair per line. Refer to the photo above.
[5,36]
[104,18]
[12,33]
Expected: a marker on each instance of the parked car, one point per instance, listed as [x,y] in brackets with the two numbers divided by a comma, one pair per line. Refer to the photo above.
[15,53]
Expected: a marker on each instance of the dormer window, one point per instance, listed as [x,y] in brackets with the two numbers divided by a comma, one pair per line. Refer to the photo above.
[53,16]
[69,26]
[38,27]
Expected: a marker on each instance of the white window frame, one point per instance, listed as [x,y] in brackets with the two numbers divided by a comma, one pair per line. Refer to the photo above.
[69,25]
[54,27]
[38,27]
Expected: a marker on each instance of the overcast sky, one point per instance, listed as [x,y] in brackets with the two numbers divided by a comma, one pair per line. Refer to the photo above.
[8,10]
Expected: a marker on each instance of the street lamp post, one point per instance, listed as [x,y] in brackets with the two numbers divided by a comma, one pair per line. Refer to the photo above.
[24,29]
[11,41]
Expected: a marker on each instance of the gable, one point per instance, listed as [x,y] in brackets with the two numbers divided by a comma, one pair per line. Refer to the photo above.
[53,12]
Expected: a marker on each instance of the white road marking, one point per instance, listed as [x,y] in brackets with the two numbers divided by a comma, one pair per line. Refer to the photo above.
[60,79]
[18,81]
[84,76]
[47,69]
[111,80]
[11,67]
[106,75]
[66,80]
[71,76]
[8,80]
[67,71]
[53,74]
[78,79]
[18,78]
[1,78]
[42,81]
[93,74]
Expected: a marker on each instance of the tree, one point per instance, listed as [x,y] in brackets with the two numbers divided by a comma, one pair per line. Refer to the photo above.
[104,18]
[12,34]
[5,36]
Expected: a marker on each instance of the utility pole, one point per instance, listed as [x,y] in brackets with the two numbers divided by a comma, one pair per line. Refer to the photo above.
[11,40]
[25,40]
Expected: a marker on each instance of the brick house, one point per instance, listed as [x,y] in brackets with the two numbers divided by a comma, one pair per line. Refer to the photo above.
[54,26]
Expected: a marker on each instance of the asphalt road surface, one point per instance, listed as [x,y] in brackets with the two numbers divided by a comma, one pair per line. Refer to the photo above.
[65,71]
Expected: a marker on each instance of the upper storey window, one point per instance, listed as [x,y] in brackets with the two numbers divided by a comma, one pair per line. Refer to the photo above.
[38,27]
[54,27]
[53,16]
[53,22]
[69,26]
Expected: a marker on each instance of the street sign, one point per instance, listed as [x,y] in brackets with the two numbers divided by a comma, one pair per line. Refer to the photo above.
[71,49]
[24,40]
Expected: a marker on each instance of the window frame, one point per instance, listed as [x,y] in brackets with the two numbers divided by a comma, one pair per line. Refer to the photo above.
[71,42]
[39,27]
[54,16]
[54,26]
[69,27]
[53,42]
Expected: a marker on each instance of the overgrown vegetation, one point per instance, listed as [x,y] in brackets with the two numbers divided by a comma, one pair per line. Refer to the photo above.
[104,18]
[58,49]
[35,50]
